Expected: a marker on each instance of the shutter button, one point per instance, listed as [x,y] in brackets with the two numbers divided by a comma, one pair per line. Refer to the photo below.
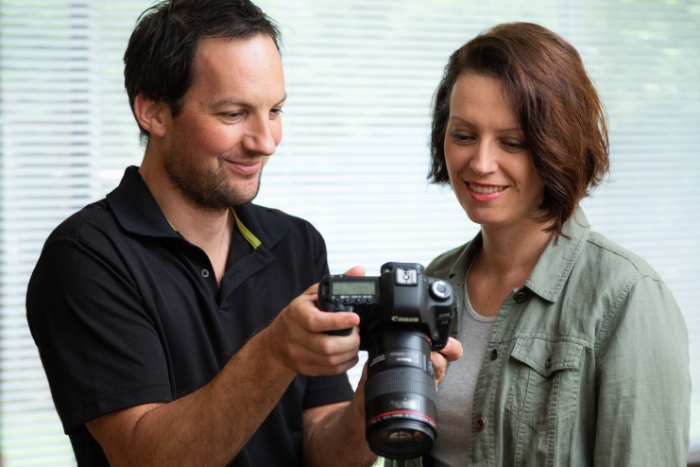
[520,297]
[205,273]
[480,423]
[494,354]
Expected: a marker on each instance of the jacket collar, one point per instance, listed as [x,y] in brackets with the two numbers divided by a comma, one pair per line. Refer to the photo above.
[552,269]
[137,211]
[554,266]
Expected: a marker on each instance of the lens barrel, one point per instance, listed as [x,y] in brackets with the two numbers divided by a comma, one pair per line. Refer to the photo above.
[400,395]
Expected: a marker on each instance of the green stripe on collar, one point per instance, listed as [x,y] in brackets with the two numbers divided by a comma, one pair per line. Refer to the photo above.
[247,234]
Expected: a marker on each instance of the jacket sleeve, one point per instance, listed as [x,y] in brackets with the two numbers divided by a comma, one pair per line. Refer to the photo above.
[643,380]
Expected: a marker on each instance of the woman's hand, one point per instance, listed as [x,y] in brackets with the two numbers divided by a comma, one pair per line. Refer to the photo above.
[451,352]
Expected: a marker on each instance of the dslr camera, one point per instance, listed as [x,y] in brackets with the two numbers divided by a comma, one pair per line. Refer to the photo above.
[404,314]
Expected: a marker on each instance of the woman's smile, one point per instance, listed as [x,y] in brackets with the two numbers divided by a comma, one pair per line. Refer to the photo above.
[487,160]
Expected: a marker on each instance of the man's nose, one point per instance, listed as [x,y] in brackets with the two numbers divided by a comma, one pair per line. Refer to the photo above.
[262,136]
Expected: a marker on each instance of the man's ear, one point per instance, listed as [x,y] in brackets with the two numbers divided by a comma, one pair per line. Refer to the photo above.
[151,115]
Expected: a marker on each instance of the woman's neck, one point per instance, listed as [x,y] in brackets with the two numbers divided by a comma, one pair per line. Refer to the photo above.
[505,261]
[509,251]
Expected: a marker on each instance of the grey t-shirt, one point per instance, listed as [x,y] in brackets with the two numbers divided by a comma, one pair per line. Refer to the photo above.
[456,391]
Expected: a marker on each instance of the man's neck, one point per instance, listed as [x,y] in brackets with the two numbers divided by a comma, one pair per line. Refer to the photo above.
[208,229]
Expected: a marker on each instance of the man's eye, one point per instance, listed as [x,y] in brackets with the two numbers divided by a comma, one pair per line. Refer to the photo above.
[276,111]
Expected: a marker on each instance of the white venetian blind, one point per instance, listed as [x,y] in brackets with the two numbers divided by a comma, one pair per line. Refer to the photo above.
[66,135]
[360,77]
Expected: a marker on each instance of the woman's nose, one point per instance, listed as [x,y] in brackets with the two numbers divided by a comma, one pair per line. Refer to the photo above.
[484,159]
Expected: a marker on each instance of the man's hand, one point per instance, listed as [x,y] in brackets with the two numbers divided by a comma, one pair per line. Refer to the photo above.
[212,424]
[298,338]
[337,431]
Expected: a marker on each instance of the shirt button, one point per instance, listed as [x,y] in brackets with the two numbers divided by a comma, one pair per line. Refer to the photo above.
[480,423]
[205,273]
[520,297]
[548,363]
[494,354]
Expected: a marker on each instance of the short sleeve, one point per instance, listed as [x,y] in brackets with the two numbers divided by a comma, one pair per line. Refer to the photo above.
[99,348]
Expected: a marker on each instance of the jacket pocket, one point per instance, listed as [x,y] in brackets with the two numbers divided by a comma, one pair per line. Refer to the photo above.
[545,387]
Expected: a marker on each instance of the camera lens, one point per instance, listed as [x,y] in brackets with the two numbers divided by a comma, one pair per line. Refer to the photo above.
[400,396]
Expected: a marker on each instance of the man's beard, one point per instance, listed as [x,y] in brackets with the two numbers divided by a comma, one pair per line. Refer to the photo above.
[206,189]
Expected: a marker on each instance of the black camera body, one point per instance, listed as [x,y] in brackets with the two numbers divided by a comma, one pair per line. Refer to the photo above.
[404,314]
[402,297]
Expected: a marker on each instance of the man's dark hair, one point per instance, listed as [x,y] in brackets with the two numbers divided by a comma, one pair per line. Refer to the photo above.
[553,100]
[160,56]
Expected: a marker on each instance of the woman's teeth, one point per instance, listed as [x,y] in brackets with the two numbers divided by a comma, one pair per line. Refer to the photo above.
[485,190]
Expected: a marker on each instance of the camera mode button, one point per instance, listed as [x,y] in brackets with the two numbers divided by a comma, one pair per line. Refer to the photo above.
[440,290]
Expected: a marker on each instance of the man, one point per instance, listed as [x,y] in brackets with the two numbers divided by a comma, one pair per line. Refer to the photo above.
[165,314]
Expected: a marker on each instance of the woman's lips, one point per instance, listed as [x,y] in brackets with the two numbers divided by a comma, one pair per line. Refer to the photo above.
[484,193]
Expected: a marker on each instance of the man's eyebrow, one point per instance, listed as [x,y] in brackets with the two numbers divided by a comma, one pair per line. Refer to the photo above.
[241,103]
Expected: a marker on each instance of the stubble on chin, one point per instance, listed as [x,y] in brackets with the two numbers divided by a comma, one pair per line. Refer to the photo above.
[209,190]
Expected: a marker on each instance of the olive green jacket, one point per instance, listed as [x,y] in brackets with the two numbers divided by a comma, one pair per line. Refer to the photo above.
[587,363]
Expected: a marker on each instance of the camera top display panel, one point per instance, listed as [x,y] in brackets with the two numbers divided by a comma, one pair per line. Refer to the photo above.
[357,287]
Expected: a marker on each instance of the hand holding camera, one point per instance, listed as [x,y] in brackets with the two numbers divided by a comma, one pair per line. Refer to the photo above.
[403,316]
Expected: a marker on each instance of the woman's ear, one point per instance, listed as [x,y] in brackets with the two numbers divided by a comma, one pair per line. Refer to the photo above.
[152,116]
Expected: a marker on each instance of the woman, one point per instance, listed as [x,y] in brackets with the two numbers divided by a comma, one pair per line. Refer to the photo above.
[575,352]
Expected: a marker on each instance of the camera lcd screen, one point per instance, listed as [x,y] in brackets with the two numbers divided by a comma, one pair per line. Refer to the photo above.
[353,288]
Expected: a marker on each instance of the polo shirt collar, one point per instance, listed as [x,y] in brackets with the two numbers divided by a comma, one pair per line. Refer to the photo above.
[138,212]
[136,209]
[263,224]
[554,266]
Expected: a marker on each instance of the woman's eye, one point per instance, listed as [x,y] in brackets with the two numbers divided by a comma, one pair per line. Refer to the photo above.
[462,137]
[513,145]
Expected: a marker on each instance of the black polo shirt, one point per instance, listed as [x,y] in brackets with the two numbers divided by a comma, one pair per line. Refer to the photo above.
[125,311]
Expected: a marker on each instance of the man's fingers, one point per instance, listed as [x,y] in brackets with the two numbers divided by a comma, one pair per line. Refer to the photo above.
[355,271]
[323,321]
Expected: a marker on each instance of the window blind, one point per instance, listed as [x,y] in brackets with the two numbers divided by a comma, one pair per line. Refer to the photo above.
[360,76]
[66,134]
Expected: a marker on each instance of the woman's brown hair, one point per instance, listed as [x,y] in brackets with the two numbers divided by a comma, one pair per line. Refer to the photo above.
[554,102]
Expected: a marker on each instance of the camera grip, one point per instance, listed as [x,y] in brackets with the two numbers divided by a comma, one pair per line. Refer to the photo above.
[339,332]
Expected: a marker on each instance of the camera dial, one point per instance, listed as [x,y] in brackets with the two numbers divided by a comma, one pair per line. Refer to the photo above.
[440,290]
